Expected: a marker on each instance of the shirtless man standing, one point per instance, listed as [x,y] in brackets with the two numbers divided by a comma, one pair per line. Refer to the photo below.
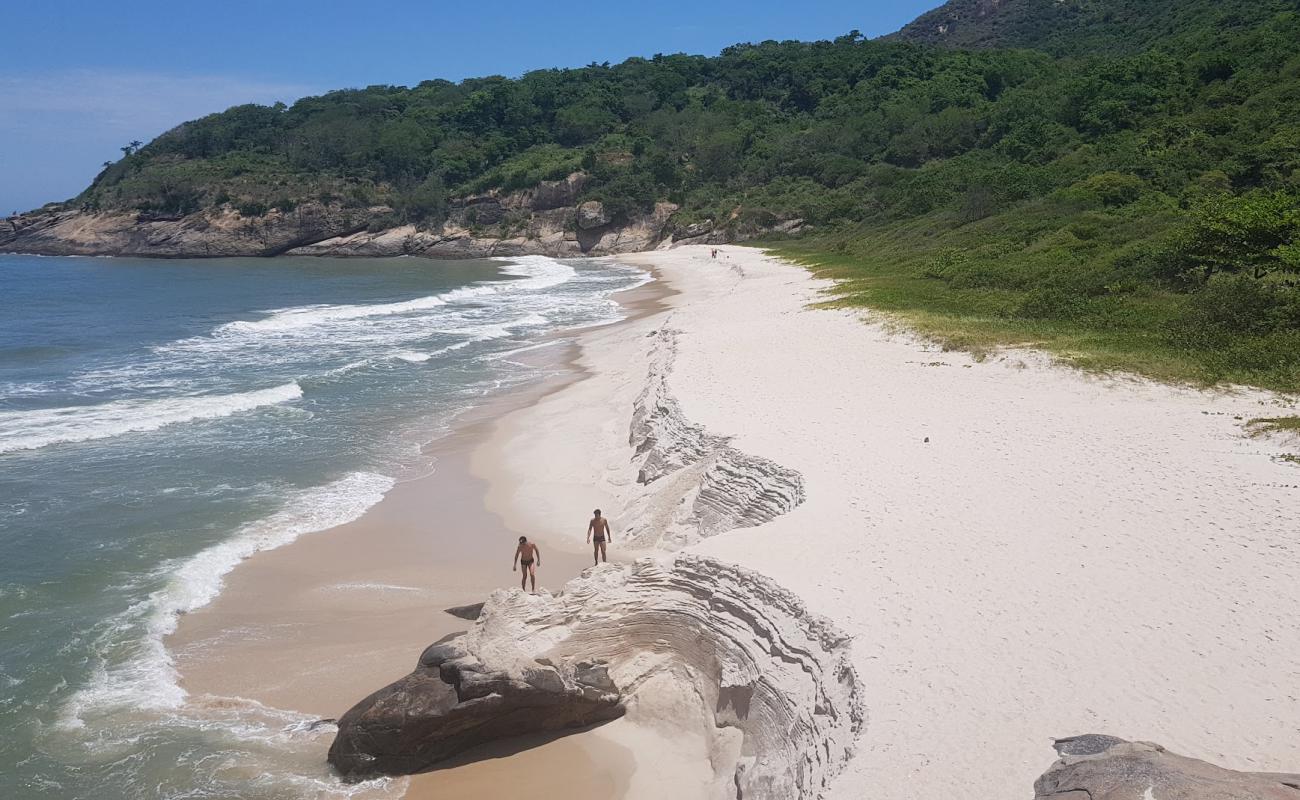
[525,554]
[597,534]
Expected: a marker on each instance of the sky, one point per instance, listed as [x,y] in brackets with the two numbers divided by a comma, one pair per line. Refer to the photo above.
[80,79]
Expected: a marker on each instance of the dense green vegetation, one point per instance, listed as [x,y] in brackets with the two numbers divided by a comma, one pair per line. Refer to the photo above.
[1079,27]
[1275,425]
[1126,195]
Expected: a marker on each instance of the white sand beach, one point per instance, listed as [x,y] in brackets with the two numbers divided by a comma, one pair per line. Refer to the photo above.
[1019,550]
[1016,551]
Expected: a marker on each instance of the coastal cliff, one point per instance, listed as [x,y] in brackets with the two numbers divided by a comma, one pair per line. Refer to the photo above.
[546,220]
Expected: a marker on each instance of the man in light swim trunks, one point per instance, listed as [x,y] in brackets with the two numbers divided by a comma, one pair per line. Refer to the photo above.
[530,558]
[597,534]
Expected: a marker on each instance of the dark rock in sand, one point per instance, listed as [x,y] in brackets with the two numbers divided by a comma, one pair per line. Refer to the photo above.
[469,612]
[1098,767]
[452,702]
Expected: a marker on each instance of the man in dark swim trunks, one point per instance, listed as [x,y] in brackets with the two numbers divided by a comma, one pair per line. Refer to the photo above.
[597,534]
[525,554]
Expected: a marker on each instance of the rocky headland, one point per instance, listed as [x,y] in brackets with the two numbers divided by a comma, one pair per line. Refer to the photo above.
[550,219]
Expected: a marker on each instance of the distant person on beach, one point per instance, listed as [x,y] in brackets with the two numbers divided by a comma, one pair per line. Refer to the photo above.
[597,534]
[530,558]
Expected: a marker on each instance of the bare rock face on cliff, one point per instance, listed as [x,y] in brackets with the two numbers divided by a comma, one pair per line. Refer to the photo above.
[1097,767]
[690,645]
[544,220]
[214,232]
[549,195]
[591,215]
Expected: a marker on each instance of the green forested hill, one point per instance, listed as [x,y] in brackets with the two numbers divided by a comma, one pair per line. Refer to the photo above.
[1126,194]
[1086,27]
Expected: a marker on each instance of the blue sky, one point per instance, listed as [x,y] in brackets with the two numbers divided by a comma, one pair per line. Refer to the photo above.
[80,79]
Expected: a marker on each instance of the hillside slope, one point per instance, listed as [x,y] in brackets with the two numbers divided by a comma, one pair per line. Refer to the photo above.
[1139,179]
[1081,27]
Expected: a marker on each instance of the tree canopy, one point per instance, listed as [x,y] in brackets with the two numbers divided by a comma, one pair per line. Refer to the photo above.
[1144,144]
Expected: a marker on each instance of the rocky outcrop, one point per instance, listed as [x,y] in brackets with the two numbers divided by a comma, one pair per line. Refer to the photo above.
[545,220]
[692,645]
[592,214]
[469,612]
[453,701]
[211,233]
[549,195]
[721,487]
[1097,767]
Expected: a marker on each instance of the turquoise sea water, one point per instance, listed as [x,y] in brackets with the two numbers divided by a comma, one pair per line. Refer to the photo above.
[162,420]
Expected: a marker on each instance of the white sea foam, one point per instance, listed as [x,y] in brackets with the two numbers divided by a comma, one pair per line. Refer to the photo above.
[525,349]
[146,678]
[468,293]
[29,430]
[538,272]
[535,272]
[451,348]
[374,587]
[412,356]
[289,319]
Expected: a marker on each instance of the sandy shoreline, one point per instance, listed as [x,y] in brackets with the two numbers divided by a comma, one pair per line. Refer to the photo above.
[1064,554]
[316,625]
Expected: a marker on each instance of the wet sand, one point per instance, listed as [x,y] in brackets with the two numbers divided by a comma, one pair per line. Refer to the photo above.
[317,625]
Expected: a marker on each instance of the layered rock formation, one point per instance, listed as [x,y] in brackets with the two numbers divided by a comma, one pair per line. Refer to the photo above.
[1097,767]
[689,643]
[545,220]
[720,487]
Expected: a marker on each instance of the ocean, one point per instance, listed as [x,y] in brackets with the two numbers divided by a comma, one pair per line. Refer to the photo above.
[160,421]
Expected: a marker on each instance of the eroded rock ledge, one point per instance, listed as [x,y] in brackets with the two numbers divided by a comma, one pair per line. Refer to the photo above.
[1098,767]
[690,643]
[721,488]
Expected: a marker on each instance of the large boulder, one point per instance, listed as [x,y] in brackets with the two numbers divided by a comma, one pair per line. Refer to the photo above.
[452,702]
[1097,767]
[483,210]
[548,195]
[689,646]
[592,215]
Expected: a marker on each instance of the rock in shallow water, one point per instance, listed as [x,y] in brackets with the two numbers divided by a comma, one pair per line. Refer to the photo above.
[1097,767]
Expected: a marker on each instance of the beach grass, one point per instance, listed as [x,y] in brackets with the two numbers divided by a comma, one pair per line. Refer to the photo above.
[954,289]
[1262,426]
